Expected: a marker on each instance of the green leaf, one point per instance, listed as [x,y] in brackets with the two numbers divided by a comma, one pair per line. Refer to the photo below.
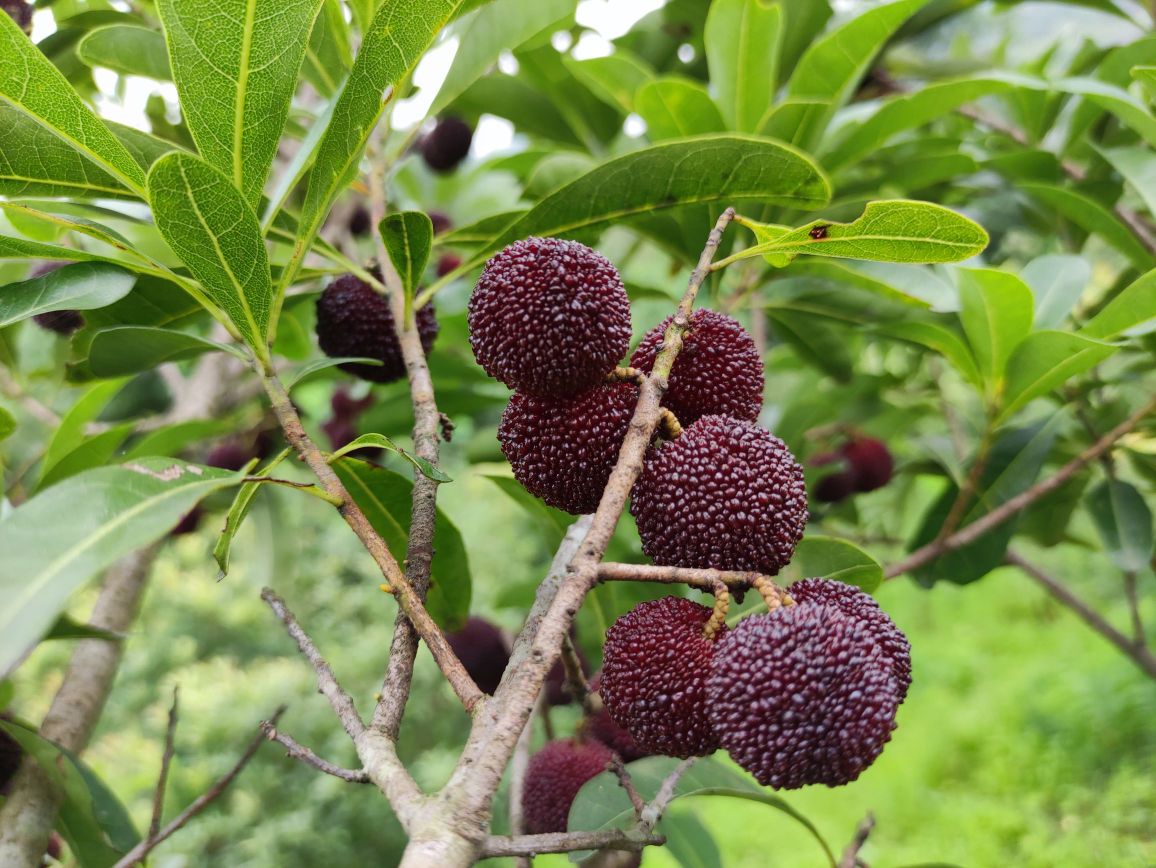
[118,352]
[72,224]
[943,341]
[7,424]
[329,56]
[83,286]
[95,451]
[385,497]
[675,107]
[209,225]
[836,559]
[20,248]
[379,441]
[238,511]
[127,49]
[816,341]
[1046,360]
[899,230]
[689,841]
[1137,165]
[31,85]
[1124,522]
[173,439]
[1118,101]
[1090,215]
[1057,281]
[408,237]
[1146,75]
[615,79]
[235,63]
[1136,304]
[306,372]
[743,39]
[111,511]
[603,804]
[996,312]
[67,627]
[551,523]
[69,433]
[496,27]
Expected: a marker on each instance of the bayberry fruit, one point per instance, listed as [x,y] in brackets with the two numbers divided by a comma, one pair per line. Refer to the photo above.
[354,320]
[441,222]
[871,461]
[63,322]
[725,495]
[20,12]
[802,695]
[482,649]
[835,487]
[360,221]
[447,144]
[717,371]
[601,726]
[654,668]
[448,262]
[549,317]
[563,450]
[553,778]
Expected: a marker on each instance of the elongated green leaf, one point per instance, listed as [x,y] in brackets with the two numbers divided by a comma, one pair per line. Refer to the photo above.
[306,372]
[83,286]
[551,523]
[408,238]
[385,497]
[1146,75]
[615,79]
[173,439]
[69,434]
[329,55]
[1057,281]
[204,218]
[900,230]
[1118,101]
[1124,522]
[111,512]
[816,341]
[742,39]
[829,558]
[996,312]
[1046,360]
[1138,166]
[943,341]
[235,63]
[380,441]
[1089,214]
[31,85]
[7,423]
[118,352]
[675,108]
[689,841]
[67,627]
[238,511]
[95,451]
[127,49]
[1136,304]
[73,224]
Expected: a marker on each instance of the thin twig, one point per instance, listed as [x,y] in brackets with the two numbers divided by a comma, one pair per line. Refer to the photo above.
[653,812]
[1139,636]
[970,486]
[627,784]
[300,752]
[166,762]
[576,683]
[568,842]
[850,858]
[141,850]
[518,765]
[703,579]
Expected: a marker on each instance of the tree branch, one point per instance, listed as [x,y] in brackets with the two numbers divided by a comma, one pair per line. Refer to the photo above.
[166,762]
[703,579]
[653,812]
[850,857]
[300,752]
[568,842]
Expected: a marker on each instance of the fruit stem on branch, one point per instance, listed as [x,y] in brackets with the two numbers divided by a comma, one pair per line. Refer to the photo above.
[627,783]
[718,616]
[668,424]
[772,594]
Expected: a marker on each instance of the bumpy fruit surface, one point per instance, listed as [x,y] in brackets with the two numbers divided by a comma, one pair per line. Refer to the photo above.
[63,322]
[447,144]
[563,449]
[601,727]
[553,778]
[482,649]
[871,462]
[717,371]
[654,668]
[20,12]
[802,695]
[726,495]
[855,603]
[354,320]
[549,317]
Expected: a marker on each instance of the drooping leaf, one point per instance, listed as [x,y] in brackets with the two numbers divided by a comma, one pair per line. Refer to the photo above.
[1137,164]
[689,840]
[1090,215]
[83,286]
[1057,281]
[380,441]
[127,49]
[66,627]
[70,432]
[615,78]
[942,340]
[1131,111]
[408,237]
[550,523]
[1124,521]
[7,423]
[1146,75]
[235,63]
[817,342]
[996,314]
[171,440]
[1134,305]
[836,559]
[110,511]
[674,108]
[118,352]
[238,511]
[306,372]
[742,39]
[1046,360]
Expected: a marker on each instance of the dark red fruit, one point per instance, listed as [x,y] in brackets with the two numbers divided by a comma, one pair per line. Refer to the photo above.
[447,144]
[549,317]
[189,522]
[725,495]
[345,406]
[354,320]
[20,12]
[654,668]
[360,221]
[441,222]
[855,603]
[835,487]
[448,262]
[10,752]
[230,455]
[482,649]
[601,726]
[553,778]
[717,371]
[554,687]
[802,695]
[63,322]
[563,449]
[871,461]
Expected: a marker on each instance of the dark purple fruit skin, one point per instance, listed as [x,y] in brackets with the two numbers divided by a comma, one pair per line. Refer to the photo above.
[654,667]
[802,695]
[482,649]
[441,222]
[360,221]
[726,495]
[10,753]
[189,522]
[718,371]
[855,603]
[20,12]
[447,144]
[555,688]
[563,450]
[448,262]
[354,320]
[549,317]
[230,455]
[871,461]
[63,322]
[835,487]
[601,727]
[553,778]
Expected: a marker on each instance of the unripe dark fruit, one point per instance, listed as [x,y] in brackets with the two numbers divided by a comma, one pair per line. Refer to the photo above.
[654,668]
[717,371]
[448,262]
[189,522]
[447,144]
[835,487]
[549,317]
[482,649]
[553,778]
[441,222]
[855,603]
[563,449]
[725,495]
[360,221]
[802,695]
[10,753]
[354,320]
[63,322]
[871,461]
[20,12]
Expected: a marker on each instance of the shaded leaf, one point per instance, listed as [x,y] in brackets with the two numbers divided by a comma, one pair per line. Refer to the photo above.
[1124,522]
[306,372]
[127,49]
[67,627]
[1135,305]
[1057,281]
[676,107]
[943,341]
[996,312]
[238,511]
[408,237]
[82,286]
[1090,215]
[118,352]
[615,78]
[379,441]
[1046,360]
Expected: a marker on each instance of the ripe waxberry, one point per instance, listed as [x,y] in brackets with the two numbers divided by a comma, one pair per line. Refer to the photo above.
[189,522]
[654,668]
[871,461]
[562,450]
[726,495]
[482,649]
[553,778]
[855,603]
[448,262]
[447,144]
[63,322]
[354,320]
[549,317]
[360,221]
[802,695]
[601,727]
[717,371]
[20,12]
[835,487]
[441,222]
